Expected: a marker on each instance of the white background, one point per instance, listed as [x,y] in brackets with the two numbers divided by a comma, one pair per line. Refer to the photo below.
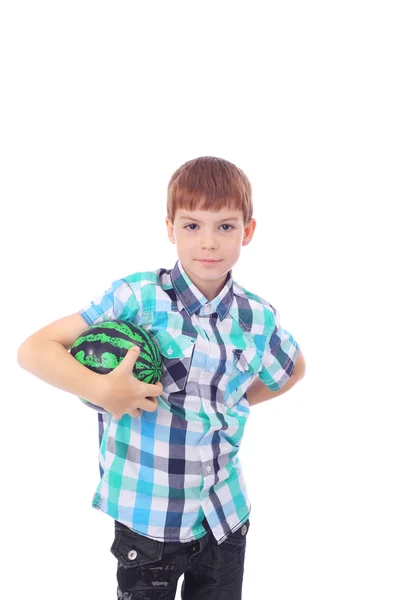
[101,102]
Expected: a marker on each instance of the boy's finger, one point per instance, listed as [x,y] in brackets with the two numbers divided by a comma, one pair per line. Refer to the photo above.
[135,412]
[149,403]
[154,389]
[129,359]
[133,350]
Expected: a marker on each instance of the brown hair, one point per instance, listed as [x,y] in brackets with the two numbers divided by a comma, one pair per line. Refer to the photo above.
[209,183]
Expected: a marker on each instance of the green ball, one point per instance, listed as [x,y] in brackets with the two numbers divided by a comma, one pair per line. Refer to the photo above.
[103,346]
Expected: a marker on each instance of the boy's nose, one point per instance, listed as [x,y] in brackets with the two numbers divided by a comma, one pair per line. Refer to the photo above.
[209,243]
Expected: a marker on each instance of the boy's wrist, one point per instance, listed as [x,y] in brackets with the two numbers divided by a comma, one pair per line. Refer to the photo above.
[97,390]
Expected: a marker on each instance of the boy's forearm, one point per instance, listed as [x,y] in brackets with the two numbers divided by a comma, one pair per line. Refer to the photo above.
[258,392]
[52,363]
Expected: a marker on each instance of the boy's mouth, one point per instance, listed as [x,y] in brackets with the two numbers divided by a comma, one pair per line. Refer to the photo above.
[208,261]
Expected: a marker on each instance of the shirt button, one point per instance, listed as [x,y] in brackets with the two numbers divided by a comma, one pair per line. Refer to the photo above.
[246,368]
[208,468]
[132,555]
[169,351]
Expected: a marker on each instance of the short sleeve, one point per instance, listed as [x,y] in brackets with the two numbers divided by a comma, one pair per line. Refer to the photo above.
[280,355]
[117,302]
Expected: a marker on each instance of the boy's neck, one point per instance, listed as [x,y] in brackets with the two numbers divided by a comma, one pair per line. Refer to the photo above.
[209,291]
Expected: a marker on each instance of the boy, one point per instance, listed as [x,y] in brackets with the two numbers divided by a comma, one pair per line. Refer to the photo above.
[171,478]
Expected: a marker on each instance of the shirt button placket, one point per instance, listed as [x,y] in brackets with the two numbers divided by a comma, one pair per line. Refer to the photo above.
[207,309]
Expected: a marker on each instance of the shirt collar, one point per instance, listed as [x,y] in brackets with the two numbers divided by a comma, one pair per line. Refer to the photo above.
[192,299]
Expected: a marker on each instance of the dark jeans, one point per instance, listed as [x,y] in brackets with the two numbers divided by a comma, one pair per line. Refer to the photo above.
[150,570]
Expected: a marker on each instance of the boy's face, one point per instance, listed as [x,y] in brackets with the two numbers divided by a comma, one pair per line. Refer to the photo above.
[208,244]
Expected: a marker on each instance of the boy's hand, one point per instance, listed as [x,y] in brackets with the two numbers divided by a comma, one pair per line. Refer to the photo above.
[121,393]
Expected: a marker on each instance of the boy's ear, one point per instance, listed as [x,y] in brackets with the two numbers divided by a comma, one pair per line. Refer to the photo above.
[170,230]
[249,231]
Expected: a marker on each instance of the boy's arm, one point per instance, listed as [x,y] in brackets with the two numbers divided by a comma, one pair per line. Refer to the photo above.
[45,355]
[259,392]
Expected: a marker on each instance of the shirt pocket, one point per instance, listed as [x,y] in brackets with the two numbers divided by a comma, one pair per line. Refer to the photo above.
[246,366]
[176,354]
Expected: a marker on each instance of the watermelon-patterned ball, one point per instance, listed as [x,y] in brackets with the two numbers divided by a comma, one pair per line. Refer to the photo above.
[103,346]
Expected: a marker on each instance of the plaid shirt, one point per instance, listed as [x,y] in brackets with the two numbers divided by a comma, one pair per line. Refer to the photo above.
[164,471]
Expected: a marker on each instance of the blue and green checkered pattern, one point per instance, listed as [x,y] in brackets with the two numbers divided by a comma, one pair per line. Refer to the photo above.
[165,471]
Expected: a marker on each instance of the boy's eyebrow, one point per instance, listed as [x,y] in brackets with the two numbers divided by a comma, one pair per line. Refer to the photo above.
[221,221]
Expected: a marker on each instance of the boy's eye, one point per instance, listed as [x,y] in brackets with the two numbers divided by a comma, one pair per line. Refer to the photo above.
[192,226]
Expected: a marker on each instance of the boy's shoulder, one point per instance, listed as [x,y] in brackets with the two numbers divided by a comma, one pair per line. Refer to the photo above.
[266,313]
[162,277]
[140,278]
[140,281]
[255,299]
